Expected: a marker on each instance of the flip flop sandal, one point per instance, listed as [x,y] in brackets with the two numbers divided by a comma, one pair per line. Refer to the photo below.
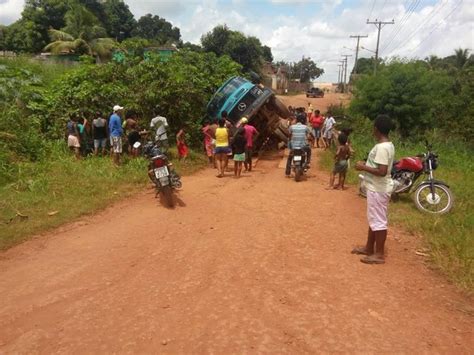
[359,251]
[372,260]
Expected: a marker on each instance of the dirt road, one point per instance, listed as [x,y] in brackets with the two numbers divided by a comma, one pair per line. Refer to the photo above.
[318,103]
[261,264]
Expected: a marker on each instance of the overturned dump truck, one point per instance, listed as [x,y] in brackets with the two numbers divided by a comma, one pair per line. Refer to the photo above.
[240,97]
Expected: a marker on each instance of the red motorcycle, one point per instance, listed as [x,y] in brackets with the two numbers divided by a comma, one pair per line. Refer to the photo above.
[432,196]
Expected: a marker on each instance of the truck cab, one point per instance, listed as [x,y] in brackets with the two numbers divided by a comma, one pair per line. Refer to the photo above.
[240,97]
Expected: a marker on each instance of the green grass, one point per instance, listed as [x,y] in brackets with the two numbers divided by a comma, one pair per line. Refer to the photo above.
[449,238]
[72,188]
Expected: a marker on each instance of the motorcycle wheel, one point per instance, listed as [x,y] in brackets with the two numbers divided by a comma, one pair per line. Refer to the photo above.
[441,203]
[167,193]
[298,173]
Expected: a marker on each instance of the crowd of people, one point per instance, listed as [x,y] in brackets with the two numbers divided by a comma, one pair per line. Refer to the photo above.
[94,136]
[307,127]
[223,140]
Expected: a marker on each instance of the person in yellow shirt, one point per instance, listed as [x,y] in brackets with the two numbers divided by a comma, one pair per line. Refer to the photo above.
[222,148]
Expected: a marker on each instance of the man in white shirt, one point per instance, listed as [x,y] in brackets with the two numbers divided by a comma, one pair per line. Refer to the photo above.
[328,125]
[379,186]
[159,124]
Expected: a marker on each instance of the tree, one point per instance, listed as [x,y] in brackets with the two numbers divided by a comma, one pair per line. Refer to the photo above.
[216,40]
[191,47]
[267,54]
[94,6]
[409,92]
[247,51]
[82,35]
[157,29]
[306,70]
[119,21]
[461,57]
[30,33]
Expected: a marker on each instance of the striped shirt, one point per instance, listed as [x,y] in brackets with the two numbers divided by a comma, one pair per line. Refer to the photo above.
[299,133]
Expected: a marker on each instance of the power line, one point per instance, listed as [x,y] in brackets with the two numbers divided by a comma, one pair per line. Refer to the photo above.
[436,27]
[429,17]
[372,9]
[393,34]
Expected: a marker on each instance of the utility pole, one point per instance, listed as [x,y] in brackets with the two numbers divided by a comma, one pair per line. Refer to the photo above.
[345,70]
[357,51]
[379,25]
[339,74]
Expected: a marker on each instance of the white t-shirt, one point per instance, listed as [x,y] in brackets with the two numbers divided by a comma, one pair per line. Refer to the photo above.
[381,154]
[329,123]
[160,124]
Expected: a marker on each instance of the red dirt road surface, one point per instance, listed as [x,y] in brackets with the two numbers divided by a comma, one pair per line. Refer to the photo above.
[260,265]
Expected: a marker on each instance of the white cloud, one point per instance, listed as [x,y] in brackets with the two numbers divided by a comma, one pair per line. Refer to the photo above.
[10,10]
[315,28]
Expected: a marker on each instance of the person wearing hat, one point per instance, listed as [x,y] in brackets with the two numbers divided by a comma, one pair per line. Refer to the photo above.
[116,131]
[250,132]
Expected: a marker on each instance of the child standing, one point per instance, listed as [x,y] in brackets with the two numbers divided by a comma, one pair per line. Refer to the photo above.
[340,166]
[239,145]
[379,186]
[182,147]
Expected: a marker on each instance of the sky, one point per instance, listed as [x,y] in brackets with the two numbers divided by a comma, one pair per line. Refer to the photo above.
[319,29]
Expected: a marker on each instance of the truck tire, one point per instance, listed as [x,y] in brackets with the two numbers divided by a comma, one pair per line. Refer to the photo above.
[278,106]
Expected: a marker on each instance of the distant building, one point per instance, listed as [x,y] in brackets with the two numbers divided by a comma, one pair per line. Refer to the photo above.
[275,77]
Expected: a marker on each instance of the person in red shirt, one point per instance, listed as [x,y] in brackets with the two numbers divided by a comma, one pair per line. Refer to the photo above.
[317,122]
[250,132]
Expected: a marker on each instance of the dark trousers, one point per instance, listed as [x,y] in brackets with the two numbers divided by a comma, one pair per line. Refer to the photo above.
[307,149]
[248,158]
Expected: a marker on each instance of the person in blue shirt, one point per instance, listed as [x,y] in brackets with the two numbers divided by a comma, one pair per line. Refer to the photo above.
[116,131]
[299,134]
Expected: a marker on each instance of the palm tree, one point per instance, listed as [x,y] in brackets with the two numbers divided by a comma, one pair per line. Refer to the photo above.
[82,35]
[461,57]
[433,62]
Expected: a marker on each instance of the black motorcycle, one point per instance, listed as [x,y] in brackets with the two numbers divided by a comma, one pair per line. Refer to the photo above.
[161,173]
[299,162]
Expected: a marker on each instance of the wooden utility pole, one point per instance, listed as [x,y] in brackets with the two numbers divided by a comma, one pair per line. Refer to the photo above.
[339,74]
[345,70]
[357,51]
[379,25]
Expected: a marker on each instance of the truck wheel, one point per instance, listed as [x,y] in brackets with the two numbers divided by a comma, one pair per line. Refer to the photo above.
[278,106]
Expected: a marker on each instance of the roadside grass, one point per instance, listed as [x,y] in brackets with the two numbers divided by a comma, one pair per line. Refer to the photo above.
[449,238]
[68,189]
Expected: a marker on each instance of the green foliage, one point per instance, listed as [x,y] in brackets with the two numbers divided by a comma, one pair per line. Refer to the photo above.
[21,84]
[81,35]
[448,237]
[180,87]
[70,187]
[408,92]
[119,20]
[304,70]
[156,29]
[247,51]
[421,95]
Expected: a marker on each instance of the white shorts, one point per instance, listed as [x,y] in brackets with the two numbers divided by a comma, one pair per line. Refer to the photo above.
[377,210]
[117,145]
[73,142]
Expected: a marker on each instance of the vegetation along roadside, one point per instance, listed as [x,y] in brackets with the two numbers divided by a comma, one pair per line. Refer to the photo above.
[428,100]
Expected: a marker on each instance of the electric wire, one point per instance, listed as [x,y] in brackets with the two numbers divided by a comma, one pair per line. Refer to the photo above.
[392,35]
[436,27]
[372,9]
[428,18]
